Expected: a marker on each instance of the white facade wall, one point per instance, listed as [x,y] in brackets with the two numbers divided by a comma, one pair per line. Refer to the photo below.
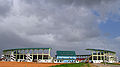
[66,57]
[45,60]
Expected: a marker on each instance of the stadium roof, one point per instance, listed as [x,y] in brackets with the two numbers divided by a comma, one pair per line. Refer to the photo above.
[82,55]
[101,50]
[25,49]
[65,53]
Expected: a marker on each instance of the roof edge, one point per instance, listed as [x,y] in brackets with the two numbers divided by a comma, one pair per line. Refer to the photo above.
[24,49]
[101,50]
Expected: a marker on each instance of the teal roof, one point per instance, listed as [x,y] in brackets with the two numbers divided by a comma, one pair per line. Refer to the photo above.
[66,53]
[101,50]
[24,49]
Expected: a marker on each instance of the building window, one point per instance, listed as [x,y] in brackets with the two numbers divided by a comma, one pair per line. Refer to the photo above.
[57,60]
[94,57]
[99,58]
[102,58]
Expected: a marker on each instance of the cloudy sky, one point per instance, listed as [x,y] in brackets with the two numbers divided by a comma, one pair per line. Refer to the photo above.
[60,24]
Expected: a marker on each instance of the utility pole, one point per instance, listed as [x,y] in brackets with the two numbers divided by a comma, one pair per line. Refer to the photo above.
[105,35]
[0,52]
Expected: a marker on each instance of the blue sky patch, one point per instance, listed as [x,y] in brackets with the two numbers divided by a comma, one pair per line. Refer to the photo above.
[110,27]
[95,12]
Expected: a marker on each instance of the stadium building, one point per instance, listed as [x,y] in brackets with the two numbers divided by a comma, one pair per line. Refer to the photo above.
[65,57]
[98,56]
[43,55]
[82,58]
[27,55]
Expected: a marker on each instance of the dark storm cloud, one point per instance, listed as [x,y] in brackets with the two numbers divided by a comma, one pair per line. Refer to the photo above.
[5,6]
[10,39]
[87,3]
[60,24]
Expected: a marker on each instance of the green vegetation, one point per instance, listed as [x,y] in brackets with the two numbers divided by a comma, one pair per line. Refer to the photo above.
[88,65]
[73,65]
[113,63]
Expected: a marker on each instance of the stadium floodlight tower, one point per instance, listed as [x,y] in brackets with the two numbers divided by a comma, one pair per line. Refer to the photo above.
[28,54]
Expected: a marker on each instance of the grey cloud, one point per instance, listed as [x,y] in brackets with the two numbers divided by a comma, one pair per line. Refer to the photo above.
[60,24]
[10,40]
[69,2]
[62,3]
[70,23]
[4,7]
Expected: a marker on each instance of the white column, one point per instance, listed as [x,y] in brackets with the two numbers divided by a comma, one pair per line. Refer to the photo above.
[92,55]
[37,55]
[97,54]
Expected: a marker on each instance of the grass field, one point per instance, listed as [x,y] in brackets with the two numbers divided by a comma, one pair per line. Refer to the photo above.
[73,65]
[114,63]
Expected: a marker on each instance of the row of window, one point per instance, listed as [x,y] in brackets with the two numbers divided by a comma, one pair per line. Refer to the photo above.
[66,60]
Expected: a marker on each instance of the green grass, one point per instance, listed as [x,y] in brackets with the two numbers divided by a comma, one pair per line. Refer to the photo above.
[113,63]
[73,65]
[88,64]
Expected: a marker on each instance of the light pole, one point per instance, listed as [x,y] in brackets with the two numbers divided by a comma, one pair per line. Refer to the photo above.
[0,52]
[105,58]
